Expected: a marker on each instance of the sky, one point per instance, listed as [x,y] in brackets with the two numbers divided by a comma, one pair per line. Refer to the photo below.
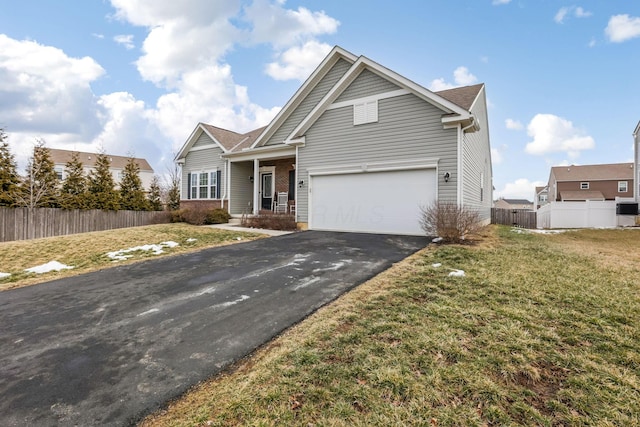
[134,77]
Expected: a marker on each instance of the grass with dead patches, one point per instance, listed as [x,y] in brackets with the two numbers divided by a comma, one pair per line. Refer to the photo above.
[539,332]
[87,252]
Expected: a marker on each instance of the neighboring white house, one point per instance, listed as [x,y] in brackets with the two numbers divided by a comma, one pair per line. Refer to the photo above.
[357,148]
[88,160]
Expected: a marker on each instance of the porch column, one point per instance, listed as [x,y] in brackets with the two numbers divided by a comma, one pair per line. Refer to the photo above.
[256,186]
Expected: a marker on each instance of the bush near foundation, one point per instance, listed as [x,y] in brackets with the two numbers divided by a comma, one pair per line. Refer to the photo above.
[454,224]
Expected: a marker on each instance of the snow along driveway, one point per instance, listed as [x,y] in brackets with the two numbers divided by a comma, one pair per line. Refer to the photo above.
[107,348]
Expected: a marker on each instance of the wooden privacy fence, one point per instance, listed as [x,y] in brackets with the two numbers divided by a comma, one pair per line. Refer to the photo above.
[25,223]
[514,217]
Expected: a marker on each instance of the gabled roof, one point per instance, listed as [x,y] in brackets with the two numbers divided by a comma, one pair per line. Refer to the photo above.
[325,66]
[61,157]
[603,172]
[541,189]
[456,112]
[227,140]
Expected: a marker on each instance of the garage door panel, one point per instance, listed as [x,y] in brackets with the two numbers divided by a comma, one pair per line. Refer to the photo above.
[374,202]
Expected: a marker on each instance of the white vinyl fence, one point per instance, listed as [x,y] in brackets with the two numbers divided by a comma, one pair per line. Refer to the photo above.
[589,214]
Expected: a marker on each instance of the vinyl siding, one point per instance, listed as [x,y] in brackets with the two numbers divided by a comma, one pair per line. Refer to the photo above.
[207,159]
[366,84]
[316,94]
[408,128]
[241,187]
[477,163]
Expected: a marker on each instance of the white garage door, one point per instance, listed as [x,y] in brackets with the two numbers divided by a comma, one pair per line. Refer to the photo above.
[372,202]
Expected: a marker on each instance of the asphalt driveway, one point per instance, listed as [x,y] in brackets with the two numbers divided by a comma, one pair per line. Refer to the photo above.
[107,348]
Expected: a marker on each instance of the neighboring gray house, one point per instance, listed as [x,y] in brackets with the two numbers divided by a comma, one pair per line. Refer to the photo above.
[357,148]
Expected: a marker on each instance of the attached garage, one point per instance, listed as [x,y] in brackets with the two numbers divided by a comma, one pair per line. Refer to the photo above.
[386,202]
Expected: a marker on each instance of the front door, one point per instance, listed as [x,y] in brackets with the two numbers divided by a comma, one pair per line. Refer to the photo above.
[266,189]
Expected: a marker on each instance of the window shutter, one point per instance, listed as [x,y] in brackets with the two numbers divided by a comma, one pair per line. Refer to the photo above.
[188,186]
[359,114]
[372,111]
[218,183]
[292,184]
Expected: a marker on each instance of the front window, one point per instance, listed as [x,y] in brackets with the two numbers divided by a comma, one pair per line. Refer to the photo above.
[584,185]
[203,185]
[542,198]
[58,171]
[623,186]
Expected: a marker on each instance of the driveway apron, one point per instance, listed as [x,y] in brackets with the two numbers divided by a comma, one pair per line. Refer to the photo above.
[109,347]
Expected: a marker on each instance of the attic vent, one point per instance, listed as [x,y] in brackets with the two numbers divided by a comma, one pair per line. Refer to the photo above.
[366,112]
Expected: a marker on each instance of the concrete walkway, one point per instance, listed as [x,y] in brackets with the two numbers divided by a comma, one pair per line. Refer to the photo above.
[235,227]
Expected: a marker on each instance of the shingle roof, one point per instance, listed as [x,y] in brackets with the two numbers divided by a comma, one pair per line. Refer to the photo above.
[518,201]
[539,189]
[232,141]
[61,157]
[593,172]
[461,96]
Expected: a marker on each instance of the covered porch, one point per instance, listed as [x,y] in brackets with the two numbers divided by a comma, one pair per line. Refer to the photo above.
[254,183]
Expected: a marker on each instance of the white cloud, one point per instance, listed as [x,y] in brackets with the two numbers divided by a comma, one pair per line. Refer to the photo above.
[499,2]
[576,11]
[298,62]
[581,13]
[560,15]
[622,28]
[519,189]
[282,27]
[592,42]
[125,40]
[497,154]
[513,124]
[461,76]
[45,93]
[551,133]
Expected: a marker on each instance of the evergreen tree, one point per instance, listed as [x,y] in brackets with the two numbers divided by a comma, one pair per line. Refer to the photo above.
[154,197]
[102,191]
[132,197]
[9,178]
[74,188]
[40,187]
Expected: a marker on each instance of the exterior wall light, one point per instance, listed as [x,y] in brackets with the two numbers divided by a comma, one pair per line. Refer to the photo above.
[446,177]
[300,183]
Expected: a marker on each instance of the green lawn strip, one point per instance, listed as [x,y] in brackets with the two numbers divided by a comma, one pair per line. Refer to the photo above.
[530,336]
[87,252]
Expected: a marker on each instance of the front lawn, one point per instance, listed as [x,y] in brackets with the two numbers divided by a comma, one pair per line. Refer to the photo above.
[540,330]
[88,251]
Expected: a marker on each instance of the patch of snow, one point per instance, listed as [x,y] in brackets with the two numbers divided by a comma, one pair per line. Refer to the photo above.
[156,249]
[153,310]
[335,266]
[547,231]
[437,240]
[191,239]
[230,303]
[238,238]
[306,282]
[50,266]
[4,275]
[457,273]
[436,265]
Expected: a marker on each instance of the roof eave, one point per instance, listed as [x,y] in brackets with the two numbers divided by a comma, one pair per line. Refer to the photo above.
[334,56]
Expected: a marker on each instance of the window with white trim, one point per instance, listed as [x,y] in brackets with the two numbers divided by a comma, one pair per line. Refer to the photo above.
[203,185]
[584,185]
[59,172]
[623,186]
[365,112]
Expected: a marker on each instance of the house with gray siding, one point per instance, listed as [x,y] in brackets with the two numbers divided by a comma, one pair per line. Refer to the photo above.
[358,148]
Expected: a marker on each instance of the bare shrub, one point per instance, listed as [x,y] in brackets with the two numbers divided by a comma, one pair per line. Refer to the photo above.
[270,221]
[454,224]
